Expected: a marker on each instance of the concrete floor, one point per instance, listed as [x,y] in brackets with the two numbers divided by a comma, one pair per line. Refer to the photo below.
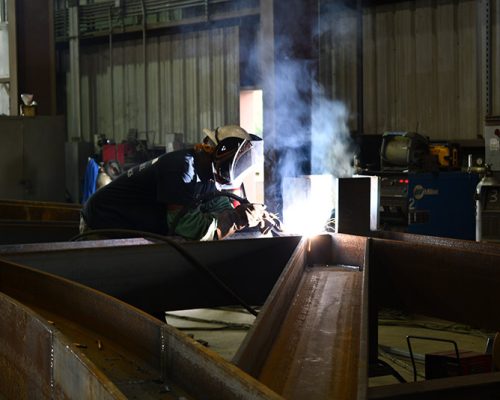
[394,327]
[223,330]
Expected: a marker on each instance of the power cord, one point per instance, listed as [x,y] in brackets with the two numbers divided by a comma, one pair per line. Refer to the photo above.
[223,325]
[189,257]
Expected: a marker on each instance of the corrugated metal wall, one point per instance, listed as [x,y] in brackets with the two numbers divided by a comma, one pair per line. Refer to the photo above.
[424,69]
[338,64]
[495,56]
[423,63]
[192,83]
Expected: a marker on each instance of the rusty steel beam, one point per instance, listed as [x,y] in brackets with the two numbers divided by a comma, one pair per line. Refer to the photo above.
[60,339]
[35,221]
[25,210]
[477,386]
[156,277]
[17,232]
[450,282]
[26,248]
[37,361]
[310,339]
[457,244]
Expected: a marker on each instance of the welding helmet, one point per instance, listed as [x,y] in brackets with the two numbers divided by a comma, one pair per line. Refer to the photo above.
[235,153]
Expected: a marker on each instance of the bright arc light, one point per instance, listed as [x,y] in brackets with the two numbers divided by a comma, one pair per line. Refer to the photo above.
[308,202]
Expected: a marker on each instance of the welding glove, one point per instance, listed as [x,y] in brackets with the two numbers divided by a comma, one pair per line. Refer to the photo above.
[243,216]
[269,221]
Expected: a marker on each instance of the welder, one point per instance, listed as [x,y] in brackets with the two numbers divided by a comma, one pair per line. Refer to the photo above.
[179,193]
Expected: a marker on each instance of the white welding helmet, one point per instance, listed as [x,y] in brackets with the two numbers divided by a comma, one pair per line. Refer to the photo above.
[235,154]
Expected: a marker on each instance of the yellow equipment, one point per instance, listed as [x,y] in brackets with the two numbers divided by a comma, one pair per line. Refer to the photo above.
[446,155]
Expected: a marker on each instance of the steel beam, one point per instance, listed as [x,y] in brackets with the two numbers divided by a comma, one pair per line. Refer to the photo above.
[25,210]
[456,244]
[443,281]
[157,278]
[35,221]
[60,339]
[309,341]
[478,386]
[35,231]
[320,297]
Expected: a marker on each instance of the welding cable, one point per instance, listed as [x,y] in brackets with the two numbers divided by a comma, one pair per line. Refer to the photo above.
[436,326]
[390,317]
[396,357]
[180,250]
[392,370]
[223,325]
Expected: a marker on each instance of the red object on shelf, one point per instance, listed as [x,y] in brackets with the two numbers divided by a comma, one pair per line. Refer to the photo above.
[116,152]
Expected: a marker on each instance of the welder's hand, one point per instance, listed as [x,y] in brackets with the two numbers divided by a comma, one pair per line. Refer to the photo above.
[243,216]
[269,221]
[250,215]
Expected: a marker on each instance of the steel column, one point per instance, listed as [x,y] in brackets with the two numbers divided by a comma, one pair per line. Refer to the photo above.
[75,122]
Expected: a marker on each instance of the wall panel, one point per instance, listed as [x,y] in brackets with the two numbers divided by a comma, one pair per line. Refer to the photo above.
[422,67]
[425,74]
[386,68]
[337,69]
[370,104]
[495,57]
[191,82]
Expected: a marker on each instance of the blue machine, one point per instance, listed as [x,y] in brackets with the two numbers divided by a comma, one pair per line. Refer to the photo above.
[442,204]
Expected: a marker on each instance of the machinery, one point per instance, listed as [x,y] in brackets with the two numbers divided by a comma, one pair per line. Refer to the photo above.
[119,157]
[394,200]
[400,153]
[442,204]
[488,189]
[423,189]
[446,155]
[403,151]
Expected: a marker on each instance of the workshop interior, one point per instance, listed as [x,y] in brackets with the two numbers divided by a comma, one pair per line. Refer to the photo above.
[379,163]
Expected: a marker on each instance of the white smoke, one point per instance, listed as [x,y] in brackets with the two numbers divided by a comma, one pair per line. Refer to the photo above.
[331,147]
[308,201]
[312,131]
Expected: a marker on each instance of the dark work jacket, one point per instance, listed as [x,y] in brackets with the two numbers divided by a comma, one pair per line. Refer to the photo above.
[138,198]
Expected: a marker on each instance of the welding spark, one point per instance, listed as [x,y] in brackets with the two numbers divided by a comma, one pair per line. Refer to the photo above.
[308,204]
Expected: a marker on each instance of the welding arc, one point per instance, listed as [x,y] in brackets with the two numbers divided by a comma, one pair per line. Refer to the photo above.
[181,251]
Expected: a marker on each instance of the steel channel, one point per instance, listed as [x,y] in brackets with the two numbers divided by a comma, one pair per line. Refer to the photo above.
[38,211]
[309,340]
[311,307]
[12,232]
[24,221]
[25,352]
[476,386]
[156,278]
[453,283]
[54,246]
[458,244]
[86,318]
[35,221]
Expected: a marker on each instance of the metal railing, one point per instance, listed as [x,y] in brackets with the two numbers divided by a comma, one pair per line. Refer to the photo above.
[98,19]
